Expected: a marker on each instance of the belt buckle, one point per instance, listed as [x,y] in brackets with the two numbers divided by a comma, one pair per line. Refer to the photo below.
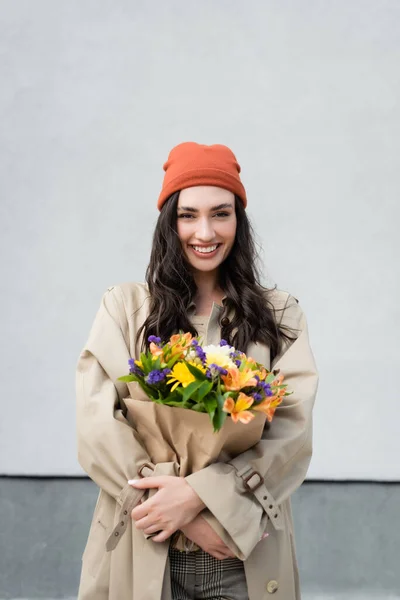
[246,479]
[143,466]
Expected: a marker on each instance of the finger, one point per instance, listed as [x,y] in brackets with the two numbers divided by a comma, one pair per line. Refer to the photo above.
[161,537]
[146,522]
[217,555]
[152,529]
[140,511]
[148,482]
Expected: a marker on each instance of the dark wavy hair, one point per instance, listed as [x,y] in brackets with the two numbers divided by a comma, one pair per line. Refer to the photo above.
[172,287]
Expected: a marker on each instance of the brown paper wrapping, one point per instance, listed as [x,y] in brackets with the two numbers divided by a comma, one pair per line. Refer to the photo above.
[172,434]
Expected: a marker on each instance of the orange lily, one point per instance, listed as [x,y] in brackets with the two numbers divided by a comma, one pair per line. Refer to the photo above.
[268,406]
[278,380]
[179,342]
[235,380]
[238,410]
[263,374]
[155,350]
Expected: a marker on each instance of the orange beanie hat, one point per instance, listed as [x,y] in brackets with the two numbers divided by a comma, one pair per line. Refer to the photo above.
[191,164]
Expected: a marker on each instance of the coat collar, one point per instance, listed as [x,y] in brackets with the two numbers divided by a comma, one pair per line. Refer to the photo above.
[215,305]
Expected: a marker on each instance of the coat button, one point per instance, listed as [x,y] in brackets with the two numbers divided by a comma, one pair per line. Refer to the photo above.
[225,321]
[272,586]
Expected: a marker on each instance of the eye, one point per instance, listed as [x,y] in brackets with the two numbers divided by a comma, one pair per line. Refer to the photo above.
[223,214]
[184,215]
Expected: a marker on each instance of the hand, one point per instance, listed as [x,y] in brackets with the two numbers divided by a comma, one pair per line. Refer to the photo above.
[202,534]
[173,506]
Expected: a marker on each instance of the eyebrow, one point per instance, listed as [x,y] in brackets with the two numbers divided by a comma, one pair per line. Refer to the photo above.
[195,210]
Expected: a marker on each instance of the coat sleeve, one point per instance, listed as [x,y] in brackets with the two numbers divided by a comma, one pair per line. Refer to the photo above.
[281,457]
[109,449]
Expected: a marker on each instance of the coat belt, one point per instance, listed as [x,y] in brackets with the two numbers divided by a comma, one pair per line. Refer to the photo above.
[253,481]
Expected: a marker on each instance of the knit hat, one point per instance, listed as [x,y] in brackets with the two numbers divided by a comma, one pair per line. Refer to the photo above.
[191,164]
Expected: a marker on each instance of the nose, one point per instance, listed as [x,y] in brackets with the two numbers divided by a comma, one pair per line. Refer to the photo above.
[205,231]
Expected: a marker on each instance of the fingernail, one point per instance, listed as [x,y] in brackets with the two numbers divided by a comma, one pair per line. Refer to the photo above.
[264,535]
[131,481]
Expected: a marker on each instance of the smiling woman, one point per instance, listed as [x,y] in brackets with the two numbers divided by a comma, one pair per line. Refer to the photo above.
[207,234]
[234,515]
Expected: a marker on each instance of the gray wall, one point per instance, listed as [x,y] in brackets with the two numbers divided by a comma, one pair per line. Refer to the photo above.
[92,97]
[347,545]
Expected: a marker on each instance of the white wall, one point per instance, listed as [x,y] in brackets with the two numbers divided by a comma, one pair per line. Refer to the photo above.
[94,94]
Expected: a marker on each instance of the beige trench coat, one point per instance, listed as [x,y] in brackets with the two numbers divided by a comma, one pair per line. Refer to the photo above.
[244,498]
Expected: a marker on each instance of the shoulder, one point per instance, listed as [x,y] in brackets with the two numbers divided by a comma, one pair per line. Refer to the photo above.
[286,307]
[125,298]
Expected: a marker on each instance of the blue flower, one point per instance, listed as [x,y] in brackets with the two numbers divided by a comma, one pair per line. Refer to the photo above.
[156,376]
[134,369]
[257,396]
[199,351]
[223,343]
[214,370]
[266,387]
[154,338]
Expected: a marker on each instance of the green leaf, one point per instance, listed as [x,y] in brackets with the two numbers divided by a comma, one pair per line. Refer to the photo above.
[190,390]
[173,360]
[210,404]
[146,362]
[127,378]
[156,364]
[269,378]
[199,408]
[219,418]
[197,373]
[177,403]
[204,389]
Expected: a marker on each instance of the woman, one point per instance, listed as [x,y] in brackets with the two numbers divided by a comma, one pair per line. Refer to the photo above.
[201,278]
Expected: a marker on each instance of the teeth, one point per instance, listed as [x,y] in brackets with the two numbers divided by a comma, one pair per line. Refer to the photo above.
[205,250]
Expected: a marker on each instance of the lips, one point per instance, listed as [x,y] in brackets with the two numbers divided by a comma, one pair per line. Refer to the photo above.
[205,254]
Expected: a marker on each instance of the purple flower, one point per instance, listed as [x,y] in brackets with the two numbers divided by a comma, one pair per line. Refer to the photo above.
[156,376]
[266,387]
[134,369]
[214,370]
[199,351]
[154,338]
[201,354]
[223,343]
[257,396]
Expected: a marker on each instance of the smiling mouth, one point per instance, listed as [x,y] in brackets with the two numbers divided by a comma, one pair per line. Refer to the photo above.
[205,249]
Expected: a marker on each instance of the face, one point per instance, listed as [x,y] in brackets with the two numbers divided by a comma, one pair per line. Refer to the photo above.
[206,224]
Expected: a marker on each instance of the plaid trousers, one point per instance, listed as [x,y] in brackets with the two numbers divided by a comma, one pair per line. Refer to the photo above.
[199,576]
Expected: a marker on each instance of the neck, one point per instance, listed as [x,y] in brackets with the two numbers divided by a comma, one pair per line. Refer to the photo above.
[208,288]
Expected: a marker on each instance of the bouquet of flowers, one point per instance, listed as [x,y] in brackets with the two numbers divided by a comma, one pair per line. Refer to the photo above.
[182,395]
[217,380]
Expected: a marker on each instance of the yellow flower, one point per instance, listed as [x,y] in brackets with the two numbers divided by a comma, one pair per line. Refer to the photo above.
[180,375]
[238,410]
[139,364]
